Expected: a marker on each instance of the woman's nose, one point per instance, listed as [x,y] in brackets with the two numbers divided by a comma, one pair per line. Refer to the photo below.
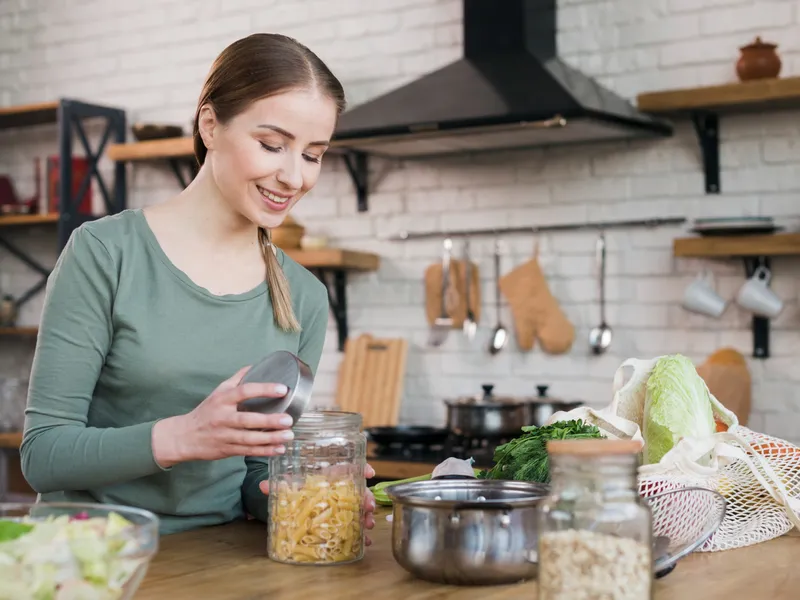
[290,174]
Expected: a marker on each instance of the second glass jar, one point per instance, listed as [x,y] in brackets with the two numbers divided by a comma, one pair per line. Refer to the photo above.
[595,530]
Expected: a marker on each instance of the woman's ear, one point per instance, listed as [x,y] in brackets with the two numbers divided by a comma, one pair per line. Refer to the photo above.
[207,125]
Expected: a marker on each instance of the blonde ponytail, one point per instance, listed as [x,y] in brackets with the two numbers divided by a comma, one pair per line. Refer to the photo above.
[278,285]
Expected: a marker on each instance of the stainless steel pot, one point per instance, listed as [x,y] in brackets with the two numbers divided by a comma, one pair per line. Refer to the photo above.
[542,407]
[466,532]
[486,415]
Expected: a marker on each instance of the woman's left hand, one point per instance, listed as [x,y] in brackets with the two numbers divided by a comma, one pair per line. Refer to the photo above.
[369,501]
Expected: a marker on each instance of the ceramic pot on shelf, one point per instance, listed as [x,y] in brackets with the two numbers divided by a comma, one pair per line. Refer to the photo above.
[758,60]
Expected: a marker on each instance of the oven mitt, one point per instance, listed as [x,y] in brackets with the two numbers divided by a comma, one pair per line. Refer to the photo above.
[536,312]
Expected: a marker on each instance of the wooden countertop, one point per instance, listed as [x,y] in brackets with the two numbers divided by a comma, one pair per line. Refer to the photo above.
[230,563]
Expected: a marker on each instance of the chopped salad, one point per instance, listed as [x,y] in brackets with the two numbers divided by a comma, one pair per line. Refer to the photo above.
[66,558]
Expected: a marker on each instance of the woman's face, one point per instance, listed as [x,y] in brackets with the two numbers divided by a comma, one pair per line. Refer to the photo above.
[266,158]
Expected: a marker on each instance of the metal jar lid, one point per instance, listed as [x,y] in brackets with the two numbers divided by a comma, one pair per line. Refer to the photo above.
[286,368]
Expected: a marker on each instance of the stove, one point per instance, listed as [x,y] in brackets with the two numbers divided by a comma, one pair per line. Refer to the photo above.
[480,449]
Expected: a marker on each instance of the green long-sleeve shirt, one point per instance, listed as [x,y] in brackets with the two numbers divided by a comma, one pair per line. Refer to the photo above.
[126,339]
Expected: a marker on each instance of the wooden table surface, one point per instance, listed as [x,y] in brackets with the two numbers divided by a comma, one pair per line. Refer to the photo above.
[229,563]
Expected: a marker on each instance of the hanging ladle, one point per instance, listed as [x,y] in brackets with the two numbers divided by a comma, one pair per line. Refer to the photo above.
[500,334]
[600,336]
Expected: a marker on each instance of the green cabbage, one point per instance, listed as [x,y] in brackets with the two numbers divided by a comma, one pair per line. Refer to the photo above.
[677,405]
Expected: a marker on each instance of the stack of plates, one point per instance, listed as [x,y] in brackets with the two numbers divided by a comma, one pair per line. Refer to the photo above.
[735,226]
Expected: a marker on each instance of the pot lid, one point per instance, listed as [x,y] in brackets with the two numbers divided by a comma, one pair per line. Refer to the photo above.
[543,397]
[487,398]
[486,494]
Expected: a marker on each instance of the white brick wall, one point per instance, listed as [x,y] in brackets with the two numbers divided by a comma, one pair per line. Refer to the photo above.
[150,57]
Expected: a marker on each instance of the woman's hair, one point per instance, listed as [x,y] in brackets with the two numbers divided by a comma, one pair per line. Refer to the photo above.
[252,68]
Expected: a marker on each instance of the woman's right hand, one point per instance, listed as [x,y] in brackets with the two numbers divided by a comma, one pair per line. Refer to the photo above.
[216,429]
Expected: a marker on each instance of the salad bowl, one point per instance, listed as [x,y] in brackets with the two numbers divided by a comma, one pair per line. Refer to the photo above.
[74,551]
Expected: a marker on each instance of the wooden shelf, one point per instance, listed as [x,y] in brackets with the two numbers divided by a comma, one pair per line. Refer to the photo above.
[779,244]
[336,258]
[762,94]
[181,147]
[20,331]
[26,115]
[11,440]
[18,220]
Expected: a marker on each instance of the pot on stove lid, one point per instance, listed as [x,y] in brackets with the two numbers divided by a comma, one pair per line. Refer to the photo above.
[487,399]
[543,398]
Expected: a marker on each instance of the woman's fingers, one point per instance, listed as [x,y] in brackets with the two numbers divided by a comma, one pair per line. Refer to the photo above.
[246,391]
[254,438]
[261,451]
[369,472]
[251,420]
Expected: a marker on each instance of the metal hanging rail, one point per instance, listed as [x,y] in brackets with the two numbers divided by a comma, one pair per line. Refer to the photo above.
[598,225]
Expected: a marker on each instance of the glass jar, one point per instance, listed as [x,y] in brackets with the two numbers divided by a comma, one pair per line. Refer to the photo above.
[595,530]
[316,492]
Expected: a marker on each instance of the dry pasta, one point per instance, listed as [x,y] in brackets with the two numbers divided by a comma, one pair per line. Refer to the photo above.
[316,520]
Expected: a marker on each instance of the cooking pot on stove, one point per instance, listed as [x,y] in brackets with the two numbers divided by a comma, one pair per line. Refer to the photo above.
[486,415]
[542,407]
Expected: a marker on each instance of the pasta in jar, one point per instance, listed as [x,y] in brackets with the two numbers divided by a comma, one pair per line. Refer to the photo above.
[317,492]
[316,519]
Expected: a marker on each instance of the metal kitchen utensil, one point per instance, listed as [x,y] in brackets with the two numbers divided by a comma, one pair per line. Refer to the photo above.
[466,531]
[500,335]
[600,336]
[286,368]
[443,323]
[470,326]
[486,415]
[542,406]
[686,518]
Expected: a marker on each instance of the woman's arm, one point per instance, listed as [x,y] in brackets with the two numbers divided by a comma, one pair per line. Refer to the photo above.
[59,452]
[312,339]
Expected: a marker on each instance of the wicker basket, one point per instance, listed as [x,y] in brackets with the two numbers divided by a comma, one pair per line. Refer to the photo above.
[289,234]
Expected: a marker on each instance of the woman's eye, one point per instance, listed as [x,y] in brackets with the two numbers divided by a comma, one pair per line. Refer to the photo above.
[313,159]
[270,148]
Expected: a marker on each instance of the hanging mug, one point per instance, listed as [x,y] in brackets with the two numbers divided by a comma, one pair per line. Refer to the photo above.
[756,296]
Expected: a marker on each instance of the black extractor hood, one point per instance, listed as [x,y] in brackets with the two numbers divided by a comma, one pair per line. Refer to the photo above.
[510,90]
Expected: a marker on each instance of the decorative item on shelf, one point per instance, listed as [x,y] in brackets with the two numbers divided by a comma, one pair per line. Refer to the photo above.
[10,204]
[758,60]
[711,226]
[8,311]
[80,170]
[288,234]
[154,131]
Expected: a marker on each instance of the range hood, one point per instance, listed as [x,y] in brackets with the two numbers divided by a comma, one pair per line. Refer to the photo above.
[509,90]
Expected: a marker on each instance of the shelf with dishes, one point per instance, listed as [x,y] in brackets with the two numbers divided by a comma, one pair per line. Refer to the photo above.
[705,105]
[67,202]
[754,240]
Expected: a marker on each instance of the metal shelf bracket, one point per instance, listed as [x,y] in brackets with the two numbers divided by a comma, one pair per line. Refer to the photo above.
[706,126]
[760,324]
[190,164]
[358,166]
[335,281]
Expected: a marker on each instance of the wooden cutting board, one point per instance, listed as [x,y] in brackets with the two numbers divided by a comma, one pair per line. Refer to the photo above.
[371,378]
[728,378]
[457,307]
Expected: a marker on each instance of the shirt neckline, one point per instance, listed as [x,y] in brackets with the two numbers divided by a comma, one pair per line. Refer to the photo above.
[144,228]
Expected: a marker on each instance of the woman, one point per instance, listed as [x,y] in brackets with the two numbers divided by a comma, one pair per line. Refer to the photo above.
[147,311]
